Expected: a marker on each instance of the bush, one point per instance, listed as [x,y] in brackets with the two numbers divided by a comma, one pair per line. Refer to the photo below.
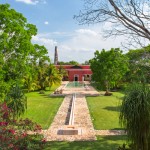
[14,133]
[41,92]
[135,115]
[126,147]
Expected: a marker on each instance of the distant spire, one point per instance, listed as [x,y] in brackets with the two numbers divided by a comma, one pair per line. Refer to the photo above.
[56,56]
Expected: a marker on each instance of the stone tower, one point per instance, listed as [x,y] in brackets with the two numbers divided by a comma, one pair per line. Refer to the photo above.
[56,56]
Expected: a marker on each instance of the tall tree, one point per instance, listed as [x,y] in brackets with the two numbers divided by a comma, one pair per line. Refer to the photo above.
[15,45]
[15,42]
[18,56]
[109,67]
[125,17]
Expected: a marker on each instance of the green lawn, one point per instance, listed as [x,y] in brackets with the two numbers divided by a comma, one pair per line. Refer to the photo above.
[103,143]
[104,111]
[41,108]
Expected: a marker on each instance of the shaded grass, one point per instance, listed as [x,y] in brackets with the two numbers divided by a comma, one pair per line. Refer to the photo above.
[104,111]
[41,108]
[102,143]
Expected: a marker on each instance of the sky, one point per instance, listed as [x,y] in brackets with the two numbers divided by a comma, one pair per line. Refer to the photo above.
[56,27]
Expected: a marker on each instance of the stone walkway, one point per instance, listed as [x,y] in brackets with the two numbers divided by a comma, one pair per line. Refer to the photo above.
[82,121]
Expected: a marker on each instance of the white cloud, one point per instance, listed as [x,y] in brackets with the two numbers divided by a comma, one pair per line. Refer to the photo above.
[32,2]
[43,41]
[78,45]
[46,22]
[87,32]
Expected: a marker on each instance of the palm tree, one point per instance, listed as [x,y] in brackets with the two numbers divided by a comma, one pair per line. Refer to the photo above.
[29,83]
[16,100]
[53,76]
[42,74]
[63,73]
[135,115]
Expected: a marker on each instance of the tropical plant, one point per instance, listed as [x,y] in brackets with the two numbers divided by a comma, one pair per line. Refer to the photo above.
[53,76]
[16,100]
[63,72]
[29,83]
[135,115]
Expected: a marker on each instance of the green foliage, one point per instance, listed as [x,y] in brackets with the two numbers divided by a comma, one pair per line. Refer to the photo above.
[53,76]
[48,75]
[15,41]
[63,73]
[139,68]
[18,56]
[135,115]
[16,100]
[69,63]
[126,147]
[109,67]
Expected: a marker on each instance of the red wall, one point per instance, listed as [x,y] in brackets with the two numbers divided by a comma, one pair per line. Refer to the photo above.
[80,72]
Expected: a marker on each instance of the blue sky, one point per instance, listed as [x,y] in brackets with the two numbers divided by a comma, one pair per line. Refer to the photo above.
[56,27]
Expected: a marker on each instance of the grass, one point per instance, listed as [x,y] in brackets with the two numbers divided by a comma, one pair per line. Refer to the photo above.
[41,108]
[104,111]
[102,143]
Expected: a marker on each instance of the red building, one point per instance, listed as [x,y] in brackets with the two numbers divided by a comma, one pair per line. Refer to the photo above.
[75,73]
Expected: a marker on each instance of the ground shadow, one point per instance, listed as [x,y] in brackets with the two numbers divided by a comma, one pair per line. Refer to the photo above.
[68,113]
[103,143]
[112,108]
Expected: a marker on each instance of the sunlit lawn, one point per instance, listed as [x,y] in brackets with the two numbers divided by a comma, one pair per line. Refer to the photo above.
[104,111]
[41,108]
[102,143]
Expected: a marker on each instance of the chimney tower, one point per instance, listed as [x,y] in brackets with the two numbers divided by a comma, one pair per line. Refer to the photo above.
[56,56]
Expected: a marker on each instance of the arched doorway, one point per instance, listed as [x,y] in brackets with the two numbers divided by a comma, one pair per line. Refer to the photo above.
[76,77]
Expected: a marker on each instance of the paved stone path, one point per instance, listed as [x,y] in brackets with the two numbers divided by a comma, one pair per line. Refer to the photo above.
[82,121]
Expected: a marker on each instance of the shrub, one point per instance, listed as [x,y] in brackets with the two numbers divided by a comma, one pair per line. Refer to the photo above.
[135,115]
[14,133]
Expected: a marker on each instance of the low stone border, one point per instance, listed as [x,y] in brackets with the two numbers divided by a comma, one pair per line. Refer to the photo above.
[110,132]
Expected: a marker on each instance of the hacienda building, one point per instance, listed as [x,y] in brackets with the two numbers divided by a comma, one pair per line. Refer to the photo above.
[75,73]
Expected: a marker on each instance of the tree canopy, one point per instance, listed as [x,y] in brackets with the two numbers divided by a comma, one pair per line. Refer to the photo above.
[139,68]
[109,67]
[20,59]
